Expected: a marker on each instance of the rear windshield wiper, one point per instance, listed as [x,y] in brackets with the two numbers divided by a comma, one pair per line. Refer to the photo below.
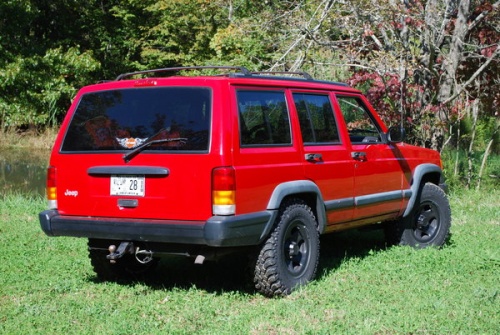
[128,156]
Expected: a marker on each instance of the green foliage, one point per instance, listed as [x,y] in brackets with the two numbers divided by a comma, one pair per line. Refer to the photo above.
[457,170]
[240,43]
[487,129]
[330,39]
[180,33]
[42,64]
[472,157]
[36,89]
[47,285]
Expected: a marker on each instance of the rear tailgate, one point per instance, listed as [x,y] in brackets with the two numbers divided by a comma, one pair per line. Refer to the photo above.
[168,129]
[168,191]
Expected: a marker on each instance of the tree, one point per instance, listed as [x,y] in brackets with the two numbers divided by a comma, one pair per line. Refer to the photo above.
[40,67]
[426,59]
[420,57]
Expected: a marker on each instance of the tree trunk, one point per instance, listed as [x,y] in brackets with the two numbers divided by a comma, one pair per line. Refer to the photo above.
[449,69]
[454,56]
[455,170]
[475,112]
[486,154]
[483,164]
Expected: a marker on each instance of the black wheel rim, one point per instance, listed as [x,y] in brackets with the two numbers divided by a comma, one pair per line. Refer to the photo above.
[296,249]
[427,221]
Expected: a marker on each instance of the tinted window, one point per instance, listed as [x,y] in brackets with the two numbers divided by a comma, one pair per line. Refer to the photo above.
[360,125]
[123,119]
[317,123]
[263,118]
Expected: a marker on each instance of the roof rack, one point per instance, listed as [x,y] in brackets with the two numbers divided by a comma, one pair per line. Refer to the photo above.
[300,73]
[306,77]
[241,69]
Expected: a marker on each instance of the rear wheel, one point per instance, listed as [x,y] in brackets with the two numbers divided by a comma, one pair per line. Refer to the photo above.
[125,268]
[427,225]
[289,257]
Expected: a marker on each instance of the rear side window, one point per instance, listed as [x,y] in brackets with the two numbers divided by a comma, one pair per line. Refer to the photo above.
[263,117]
[317,122]
[124,119]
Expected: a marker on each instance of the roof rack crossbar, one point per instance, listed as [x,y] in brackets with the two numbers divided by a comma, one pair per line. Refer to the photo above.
[242,69]
[298,73]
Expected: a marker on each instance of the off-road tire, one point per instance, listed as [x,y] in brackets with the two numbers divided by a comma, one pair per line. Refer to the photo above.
[125,268]
[428,224]
[289,257]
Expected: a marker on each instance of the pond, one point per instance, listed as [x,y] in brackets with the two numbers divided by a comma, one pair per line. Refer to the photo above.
[23,170]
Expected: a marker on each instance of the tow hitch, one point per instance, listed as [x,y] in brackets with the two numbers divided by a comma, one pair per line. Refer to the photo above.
[123,248]
[142,256]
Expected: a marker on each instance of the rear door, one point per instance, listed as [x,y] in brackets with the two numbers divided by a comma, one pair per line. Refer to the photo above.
[265,154]
[326,157]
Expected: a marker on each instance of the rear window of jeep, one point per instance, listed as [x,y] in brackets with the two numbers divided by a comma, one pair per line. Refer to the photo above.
[125,118]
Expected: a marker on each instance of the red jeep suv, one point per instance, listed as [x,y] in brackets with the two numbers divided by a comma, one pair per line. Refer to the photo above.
[157,163]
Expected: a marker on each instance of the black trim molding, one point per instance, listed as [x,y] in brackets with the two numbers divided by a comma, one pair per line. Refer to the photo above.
[129,170]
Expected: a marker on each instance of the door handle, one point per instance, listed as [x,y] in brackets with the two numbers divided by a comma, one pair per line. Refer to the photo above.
[314,157]
[359,156]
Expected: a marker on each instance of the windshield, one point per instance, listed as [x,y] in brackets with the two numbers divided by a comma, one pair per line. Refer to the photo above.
[127,118]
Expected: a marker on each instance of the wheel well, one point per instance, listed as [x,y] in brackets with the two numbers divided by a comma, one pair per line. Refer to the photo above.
[311,200]
[423,174]
[431,177]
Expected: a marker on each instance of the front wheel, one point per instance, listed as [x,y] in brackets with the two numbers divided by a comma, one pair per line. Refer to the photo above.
[428,224]
[289,257]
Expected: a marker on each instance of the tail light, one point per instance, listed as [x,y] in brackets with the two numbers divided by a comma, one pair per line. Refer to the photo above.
[223,191]
[51,187]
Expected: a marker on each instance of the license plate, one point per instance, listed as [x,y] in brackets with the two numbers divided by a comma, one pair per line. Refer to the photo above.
[128,185]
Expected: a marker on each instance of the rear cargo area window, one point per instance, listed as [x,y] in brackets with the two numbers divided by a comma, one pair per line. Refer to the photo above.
[263,117]
[126,118]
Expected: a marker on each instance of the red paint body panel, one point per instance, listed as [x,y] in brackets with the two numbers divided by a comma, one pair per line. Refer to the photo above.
[185,193]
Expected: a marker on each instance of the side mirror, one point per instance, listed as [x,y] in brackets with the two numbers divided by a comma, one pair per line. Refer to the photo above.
[395,134]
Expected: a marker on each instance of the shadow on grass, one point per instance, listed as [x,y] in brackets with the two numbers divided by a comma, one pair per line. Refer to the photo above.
[233,273]
[357,243]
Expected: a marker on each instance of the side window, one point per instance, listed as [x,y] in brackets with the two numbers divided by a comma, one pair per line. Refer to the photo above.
[317,122]
[361,127]
[263,117]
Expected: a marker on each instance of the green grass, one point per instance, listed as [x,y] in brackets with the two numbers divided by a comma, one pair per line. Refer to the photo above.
[47,285]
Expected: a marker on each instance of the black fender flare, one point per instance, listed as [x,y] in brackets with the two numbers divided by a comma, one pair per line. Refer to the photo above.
[291,188]
[419,174]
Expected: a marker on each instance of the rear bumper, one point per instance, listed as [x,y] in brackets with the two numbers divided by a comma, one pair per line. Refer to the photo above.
[218,231]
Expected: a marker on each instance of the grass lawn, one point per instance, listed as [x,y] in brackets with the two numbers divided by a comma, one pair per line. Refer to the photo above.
[47,285]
